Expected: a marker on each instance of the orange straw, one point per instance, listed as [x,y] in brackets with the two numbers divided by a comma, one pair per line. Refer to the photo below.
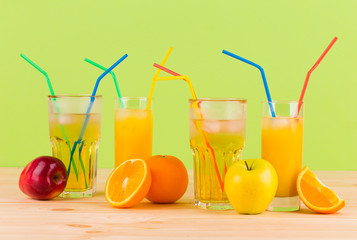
[193,94]
[309,73]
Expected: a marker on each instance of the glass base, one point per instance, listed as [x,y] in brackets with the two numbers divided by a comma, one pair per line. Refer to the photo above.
[285,204]
[213,205]
[79,194]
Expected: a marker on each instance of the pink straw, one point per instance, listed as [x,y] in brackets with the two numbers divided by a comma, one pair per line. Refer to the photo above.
[310,71]
[166,70]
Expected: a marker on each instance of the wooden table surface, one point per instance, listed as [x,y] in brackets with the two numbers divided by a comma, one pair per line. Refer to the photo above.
[93,218]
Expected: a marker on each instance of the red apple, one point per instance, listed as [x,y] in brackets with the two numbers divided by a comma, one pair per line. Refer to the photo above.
[43,178]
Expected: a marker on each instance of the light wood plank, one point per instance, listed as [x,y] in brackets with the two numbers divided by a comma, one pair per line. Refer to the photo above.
[94,218]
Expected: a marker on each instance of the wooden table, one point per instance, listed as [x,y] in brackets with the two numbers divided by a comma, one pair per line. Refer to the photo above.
[93,218]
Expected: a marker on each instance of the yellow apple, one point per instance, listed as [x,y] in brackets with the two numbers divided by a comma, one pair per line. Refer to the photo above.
[251,185]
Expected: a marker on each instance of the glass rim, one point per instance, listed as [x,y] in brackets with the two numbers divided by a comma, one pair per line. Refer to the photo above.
[74,96]
[282,101]
[242,100]
[133,98]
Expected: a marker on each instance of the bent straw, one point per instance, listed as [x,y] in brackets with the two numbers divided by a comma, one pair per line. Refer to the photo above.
[155,76]
[310,71]
[166,70]
[90,107]
[177,77]
[193,94]
[42,71]
[263,76]
[113,76]
[55,104]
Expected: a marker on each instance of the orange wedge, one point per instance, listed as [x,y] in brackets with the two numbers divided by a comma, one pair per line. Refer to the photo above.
[316,195]
[128,184]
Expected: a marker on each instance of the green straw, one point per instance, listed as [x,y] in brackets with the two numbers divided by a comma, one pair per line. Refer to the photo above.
[57,110]
[113,76]
[42,71]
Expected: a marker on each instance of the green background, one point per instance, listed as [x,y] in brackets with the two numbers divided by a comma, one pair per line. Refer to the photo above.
[285,37]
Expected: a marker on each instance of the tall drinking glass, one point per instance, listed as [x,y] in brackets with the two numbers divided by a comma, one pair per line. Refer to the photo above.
[217,138]
[133,129]
[282,146]
[67,115]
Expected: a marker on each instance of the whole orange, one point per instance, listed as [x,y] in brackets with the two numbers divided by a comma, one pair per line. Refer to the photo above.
[169,179]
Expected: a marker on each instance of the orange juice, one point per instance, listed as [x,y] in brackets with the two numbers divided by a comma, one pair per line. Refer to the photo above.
[84,157]
[217,138]
[226,138]
[133,134]
[75,145]
[282,147]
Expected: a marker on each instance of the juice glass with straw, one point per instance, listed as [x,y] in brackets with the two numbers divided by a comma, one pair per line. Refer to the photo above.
[217,139]
[133,129]
[66,117]
[217,136]
[67,113]
[282,136]
[132,123]
[224,130]
[282,141]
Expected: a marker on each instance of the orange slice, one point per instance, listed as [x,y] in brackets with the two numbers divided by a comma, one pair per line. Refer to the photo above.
[128,184]
[316,195]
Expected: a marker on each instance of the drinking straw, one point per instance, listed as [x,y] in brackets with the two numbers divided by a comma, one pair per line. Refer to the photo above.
[155,76]
[113,76]
[310,71]
[56,106]
[42,71]
[166,70]
[177,77]
[263,76]
[193,94]
[90,107]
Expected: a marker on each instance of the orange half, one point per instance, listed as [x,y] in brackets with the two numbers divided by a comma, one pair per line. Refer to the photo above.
[316,195]
[128,184]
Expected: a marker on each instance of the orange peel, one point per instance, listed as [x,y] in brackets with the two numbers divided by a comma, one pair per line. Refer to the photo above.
[128,184]
[315,195]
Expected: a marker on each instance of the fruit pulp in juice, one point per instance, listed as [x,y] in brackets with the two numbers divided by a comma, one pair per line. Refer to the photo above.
[84,160]
[133,134]
[214,142]
[282,147]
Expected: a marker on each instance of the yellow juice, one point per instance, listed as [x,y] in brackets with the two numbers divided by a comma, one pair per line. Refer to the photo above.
[225,140]
[85,156]
[282,146]
[133,134]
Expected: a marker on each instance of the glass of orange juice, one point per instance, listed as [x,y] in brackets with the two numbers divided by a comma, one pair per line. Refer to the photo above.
[282,140]
[217,139]
[67,116]
[133,129]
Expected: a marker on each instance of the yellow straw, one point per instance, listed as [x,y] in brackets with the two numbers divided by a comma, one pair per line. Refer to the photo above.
[193,94]
[155,76]
[185,78]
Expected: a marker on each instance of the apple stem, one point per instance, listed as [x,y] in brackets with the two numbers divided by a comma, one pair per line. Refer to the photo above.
[247,166]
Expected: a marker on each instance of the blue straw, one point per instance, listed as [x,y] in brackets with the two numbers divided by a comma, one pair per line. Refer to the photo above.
[114,78]
[263,76]
[90,107]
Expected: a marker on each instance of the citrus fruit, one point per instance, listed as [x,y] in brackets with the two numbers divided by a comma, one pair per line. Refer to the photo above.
[128,184]
[169,179]
[316,195]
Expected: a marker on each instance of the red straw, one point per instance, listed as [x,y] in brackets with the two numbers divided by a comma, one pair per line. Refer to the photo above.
[310,71]
[166,70]
[208,145]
